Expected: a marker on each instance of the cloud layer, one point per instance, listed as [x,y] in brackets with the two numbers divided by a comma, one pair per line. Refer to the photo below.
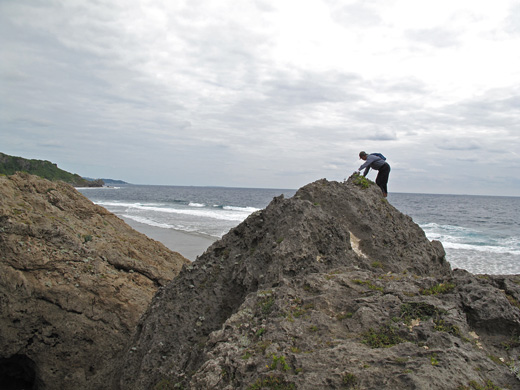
[266,94]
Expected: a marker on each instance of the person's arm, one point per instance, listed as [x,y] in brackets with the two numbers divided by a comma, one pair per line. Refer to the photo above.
[368,162]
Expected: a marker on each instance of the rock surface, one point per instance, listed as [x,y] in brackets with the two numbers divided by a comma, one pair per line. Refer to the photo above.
[333,288]
[74,280]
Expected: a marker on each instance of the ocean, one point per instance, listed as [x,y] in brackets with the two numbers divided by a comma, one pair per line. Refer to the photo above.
[480,234]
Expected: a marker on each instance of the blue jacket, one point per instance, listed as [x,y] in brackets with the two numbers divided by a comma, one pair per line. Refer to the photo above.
[373,162]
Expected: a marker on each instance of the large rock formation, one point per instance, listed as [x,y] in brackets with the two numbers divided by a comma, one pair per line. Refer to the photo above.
[74,280]
[333,288]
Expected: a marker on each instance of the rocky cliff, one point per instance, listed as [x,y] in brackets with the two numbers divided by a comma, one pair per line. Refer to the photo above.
[333,288]
[74,280]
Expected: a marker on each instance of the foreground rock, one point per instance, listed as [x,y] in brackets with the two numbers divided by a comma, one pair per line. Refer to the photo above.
[74,280]
[333,288]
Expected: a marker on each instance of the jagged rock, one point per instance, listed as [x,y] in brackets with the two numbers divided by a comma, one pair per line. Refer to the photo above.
[74,280]
[333,288]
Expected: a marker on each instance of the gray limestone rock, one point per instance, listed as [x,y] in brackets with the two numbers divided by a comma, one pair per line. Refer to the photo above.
[333,288]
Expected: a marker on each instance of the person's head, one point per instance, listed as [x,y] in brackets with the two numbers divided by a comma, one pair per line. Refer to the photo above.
[362,155]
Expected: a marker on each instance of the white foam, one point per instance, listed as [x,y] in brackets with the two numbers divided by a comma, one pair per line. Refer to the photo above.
[480,248]
[98,188]
[221,214]
[116,204]
[187,229]
[248,210]
[463,238]
[479,262]
[147,221]
[450,228]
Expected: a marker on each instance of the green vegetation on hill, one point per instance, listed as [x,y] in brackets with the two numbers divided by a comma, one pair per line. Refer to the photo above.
[11,164]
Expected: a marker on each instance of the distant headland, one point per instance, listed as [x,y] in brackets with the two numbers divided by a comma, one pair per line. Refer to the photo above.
[9,165]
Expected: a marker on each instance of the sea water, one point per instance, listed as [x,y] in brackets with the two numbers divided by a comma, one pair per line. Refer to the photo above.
[479,233]
[211,211]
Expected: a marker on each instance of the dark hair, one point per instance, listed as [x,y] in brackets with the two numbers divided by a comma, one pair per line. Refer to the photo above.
[362,154]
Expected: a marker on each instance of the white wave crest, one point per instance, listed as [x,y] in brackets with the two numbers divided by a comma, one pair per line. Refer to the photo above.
[432,226]
[183,228]
[221,214]
[463,238]
[248,210]
[125,204]
[98,188]
[147,221]
[481,248]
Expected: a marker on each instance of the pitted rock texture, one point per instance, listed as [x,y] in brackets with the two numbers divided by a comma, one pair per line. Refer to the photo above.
[74,280]
[333,288]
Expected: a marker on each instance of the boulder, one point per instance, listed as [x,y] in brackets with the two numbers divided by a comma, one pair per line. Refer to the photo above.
[74,280]
[332,288]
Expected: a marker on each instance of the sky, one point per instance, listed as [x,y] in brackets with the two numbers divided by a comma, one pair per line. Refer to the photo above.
[266,93]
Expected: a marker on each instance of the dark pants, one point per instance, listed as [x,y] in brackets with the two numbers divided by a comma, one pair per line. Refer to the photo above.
[382,177]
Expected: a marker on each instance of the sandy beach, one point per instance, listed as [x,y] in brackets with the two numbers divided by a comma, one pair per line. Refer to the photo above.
[187,244]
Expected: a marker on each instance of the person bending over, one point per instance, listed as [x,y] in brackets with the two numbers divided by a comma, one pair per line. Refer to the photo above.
[377,162]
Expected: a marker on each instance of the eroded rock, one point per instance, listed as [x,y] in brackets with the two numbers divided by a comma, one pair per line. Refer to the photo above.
[333,288]
[74,280]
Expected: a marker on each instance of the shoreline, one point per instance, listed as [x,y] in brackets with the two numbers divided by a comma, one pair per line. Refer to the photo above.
[190,245]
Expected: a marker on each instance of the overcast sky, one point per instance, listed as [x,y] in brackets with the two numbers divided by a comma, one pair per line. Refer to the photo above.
[266,93]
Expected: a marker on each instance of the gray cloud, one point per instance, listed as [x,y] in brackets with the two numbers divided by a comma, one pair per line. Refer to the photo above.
[359,13]
[513,20]
[193,94]
[436,37]
[494,110]
[310,88]
[458,144]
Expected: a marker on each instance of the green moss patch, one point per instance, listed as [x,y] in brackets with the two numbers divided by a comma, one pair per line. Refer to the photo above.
[384,337]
